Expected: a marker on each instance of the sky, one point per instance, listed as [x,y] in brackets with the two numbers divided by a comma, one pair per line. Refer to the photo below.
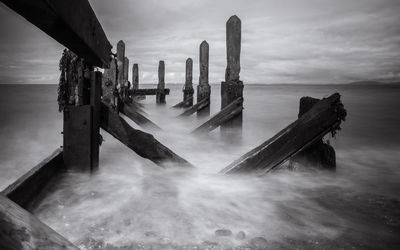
[286,41]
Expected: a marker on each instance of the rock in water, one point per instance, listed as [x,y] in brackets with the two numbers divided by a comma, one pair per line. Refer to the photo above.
[259,243]
[223,232]
[241,235]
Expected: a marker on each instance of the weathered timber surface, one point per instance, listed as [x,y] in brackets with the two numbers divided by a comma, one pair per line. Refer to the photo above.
[21,230]
[142,143]
[148,91]
[72,23]
[226,114]
[318,155]
[139,119]
[184,103]
[77,137]
[195,108]
[24,190]
[324,117]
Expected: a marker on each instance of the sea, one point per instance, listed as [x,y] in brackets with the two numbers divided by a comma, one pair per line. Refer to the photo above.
[131,203]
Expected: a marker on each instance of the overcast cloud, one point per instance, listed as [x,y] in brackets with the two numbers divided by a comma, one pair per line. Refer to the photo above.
[286,41]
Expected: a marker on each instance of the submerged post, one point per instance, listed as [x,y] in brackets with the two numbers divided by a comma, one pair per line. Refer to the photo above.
[135,76]
[232,88]
[204,89]
[160,97]
[188,89]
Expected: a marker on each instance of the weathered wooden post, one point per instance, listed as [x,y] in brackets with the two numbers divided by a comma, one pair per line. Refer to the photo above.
[319,154]
[204,89]
[120,62]
[160,97]
[81,131]
[126,86]
[109,83]
[188,89]
[232,88]
[135,76]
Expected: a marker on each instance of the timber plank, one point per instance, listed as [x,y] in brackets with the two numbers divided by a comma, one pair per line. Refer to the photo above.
[19,229]
[226,114]
[24,190]
[195,108]
[149,91]
[142,143]
[139,119]
[72,23]
[325,116]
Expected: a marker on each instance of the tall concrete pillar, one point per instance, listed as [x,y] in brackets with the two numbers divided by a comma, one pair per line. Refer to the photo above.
[188,89]
[204,89]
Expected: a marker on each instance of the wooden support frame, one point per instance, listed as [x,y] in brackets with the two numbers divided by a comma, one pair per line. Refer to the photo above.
[196,108]
[139,119]
[226,114]
[324,117]
[72,23]
[135,92]
[27,187]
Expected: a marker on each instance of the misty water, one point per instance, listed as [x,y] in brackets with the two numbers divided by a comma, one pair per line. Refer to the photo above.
[130,202]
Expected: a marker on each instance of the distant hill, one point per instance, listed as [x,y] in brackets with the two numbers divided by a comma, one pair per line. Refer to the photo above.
[366,83]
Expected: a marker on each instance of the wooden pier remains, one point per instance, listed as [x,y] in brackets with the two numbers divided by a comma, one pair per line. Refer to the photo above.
[232,89]
[188,87]
[160,95]
[323,118]
[204,88]
[90,100]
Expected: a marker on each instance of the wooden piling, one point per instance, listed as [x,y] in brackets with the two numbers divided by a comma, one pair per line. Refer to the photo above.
[120,63]
[160,97]
[323,118]
[320,154]
[188,89]
[135,76]
[204,89]
[109,83]
[232,87]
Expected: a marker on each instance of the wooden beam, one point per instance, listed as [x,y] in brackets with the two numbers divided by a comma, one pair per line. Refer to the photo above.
[148,91]
[139,119]
[72,23]
[21,230]
[197,107]
[142,143]
[324,117]
[24,190]
[226,114]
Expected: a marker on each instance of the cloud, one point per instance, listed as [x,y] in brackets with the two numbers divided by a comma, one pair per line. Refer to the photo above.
[315,41]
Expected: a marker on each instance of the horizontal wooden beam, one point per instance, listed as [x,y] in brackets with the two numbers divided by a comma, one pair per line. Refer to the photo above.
[24,190]
[148,91]
[72,23]
[19,229]
[226,114]
[325,116]
[142,143]
[195,108]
